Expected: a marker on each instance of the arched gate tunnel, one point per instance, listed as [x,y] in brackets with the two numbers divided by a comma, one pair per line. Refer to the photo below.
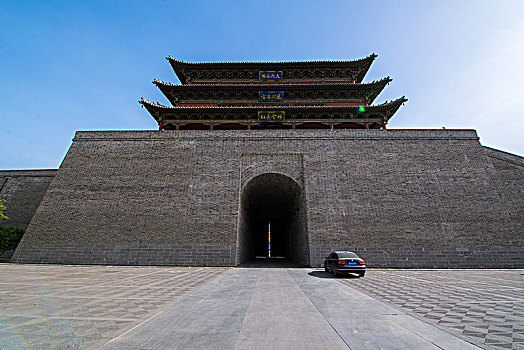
[279,200]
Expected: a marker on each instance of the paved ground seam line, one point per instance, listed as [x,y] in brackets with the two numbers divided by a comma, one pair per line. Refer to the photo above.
[314,304]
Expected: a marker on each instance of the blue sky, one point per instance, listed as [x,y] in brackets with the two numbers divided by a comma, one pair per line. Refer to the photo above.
[83,65]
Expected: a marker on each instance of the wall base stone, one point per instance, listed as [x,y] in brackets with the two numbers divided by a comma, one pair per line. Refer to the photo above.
[127,255]
[222,256]
[448,258]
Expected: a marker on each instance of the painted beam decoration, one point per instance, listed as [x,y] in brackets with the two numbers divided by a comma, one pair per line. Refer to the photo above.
[271,96]
[271,116]
[275,75]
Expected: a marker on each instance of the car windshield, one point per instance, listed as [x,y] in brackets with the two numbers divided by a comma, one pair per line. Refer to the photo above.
[347,255]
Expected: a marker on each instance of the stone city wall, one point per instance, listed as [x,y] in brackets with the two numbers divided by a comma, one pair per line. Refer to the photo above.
[400,198]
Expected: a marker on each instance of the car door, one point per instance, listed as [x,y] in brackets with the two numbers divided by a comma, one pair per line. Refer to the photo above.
[331,260]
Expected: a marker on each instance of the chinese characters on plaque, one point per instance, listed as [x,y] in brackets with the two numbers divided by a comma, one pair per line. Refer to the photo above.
[271,116]
[271,96]
[270,75]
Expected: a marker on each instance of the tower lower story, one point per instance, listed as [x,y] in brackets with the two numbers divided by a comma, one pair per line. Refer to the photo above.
[399,198]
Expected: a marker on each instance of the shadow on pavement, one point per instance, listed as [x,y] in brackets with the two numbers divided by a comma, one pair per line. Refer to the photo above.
[270,263]
[323,274]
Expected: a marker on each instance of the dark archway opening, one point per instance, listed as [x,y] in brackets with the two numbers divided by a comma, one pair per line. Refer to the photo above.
[279,200]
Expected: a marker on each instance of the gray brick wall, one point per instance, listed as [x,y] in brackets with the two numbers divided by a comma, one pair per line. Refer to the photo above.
[396,191]
[509,177]
[456,258]
[125,255]
[23,190]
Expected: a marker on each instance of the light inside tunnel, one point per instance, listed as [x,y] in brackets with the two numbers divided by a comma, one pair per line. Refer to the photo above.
[269,239]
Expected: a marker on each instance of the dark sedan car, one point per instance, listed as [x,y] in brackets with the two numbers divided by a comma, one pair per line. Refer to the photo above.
[344,262]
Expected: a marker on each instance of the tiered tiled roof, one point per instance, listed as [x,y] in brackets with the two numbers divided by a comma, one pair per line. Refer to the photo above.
[237,95]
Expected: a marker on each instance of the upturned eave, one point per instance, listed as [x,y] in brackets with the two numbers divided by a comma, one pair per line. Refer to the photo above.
[163,113]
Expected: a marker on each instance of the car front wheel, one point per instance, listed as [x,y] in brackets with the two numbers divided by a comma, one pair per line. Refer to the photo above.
[335,273]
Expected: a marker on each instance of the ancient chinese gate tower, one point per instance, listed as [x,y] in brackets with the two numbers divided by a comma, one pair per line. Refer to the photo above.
[286,95]
[297,144]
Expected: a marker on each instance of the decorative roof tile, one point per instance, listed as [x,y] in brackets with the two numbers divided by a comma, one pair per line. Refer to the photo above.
[255,64]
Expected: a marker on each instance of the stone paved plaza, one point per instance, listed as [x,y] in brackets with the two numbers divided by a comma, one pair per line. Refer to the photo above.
[83,307]
[88,307]
[482,306]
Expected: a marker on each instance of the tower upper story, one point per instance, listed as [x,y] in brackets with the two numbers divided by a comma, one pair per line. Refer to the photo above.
[271,72]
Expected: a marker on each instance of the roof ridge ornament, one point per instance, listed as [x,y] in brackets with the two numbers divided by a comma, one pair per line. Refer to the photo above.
[372,56]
